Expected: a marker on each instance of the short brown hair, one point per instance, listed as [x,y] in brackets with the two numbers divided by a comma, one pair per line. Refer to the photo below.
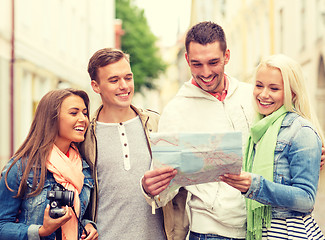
[103,57]
[204,33]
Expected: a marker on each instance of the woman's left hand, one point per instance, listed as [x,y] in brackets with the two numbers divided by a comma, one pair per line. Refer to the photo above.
[92,233]
[241,182]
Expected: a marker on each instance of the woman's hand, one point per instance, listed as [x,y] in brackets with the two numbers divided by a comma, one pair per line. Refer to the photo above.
[241,182]
[50,225]
[92,233]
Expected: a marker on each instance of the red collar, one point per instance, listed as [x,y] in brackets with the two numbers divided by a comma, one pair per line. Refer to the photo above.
[219,96]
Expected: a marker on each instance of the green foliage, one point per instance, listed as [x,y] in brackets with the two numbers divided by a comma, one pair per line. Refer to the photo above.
[139,42]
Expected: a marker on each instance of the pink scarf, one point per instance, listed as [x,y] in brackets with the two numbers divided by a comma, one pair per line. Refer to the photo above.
[68,172]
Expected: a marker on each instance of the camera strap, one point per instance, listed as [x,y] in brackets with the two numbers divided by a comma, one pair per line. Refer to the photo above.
[80,222]
[58,232]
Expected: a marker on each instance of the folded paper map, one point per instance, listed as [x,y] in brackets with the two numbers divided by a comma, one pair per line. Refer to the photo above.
[198,157]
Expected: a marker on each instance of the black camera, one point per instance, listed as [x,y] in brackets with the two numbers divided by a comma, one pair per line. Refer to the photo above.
[59,197]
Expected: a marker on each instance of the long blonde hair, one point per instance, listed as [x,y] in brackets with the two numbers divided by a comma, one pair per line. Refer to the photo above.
[296,97]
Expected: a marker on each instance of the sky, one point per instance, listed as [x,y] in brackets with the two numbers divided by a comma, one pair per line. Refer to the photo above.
[166,17]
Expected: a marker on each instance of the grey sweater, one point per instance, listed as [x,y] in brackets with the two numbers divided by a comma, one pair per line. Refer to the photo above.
[123,158]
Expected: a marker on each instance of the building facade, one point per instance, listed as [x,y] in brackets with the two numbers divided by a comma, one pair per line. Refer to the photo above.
[44,45]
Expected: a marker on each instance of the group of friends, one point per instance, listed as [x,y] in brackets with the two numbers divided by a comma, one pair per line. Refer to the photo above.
[106,160]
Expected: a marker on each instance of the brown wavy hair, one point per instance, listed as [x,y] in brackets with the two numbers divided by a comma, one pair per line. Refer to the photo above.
[36,147]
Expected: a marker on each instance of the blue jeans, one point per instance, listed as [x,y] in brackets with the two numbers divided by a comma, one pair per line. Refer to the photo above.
[200,236]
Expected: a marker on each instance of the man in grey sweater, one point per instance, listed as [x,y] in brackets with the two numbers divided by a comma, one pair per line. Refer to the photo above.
[117,149]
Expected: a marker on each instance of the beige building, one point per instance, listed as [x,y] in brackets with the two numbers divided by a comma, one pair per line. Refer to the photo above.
[45,45]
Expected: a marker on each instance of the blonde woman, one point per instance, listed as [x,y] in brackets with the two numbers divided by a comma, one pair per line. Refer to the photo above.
[282,158]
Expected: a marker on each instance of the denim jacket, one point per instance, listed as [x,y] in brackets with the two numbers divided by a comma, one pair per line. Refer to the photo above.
[30,211]
[296,170]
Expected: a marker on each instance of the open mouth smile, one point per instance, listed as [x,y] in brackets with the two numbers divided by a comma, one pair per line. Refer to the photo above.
[123,94]
[266,104]
[79,128]
[208,80]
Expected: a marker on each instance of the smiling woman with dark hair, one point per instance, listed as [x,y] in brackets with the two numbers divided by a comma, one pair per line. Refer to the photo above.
[49,155]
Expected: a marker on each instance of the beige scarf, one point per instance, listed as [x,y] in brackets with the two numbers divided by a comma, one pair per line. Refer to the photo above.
[68,172]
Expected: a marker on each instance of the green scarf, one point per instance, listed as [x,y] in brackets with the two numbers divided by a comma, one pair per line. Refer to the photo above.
[265,133]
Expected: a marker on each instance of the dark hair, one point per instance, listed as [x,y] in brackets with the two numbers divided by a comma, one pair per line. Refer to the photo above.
[204,33]
[103,57]
[36,147]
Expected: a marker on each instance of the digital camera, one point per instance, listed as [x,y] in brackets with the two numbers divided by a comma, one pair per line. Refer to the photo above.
[59,197]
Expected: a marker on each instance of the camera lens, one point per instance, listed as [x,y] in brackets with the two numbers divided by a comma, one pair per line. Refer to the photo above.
[67,198]
[59,197]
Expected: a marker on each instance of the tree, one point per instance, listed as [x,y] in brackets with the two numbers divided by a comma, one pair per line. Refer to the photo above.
[139,42]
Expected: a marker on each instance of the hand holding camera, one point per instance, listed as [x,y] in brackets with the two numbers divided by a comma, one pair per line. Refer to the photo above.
[56,214]
[59,197]
[50,224]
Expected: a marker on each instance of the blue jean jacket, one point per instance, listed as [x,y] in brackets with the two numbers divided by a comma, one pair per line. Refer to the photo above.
[30,211]
[296,170]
